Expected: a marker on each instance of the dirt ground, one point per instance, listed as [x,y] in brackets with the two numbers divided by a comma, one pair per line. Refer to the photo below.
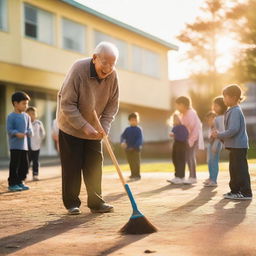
[192,220]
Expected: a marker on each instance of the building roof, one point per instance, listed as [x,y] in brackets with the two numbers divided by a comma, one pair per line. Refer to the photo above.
[120,24]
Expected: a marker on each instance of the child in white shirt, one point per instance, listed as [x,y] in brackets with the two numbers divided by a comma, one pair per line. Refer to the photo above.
[35,141]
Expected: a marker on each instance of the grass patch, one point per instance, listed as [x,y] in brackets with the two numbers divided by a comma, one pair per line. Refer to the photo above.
[252,150]
[168,167]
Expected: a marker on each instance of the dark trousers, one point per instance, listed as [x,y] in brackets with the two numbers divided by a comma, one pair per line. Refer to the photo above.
[179,158]
[133,158]
[77,156]
[18,167]
[238,170]
[33,156]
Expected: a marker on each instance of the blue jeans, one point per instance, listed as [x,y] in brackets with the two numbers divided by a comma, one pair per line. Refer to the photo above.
[213,160]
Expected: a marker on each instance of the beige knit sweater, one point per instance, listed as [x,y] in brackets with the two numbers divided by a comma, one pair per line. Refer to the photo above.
[81,94]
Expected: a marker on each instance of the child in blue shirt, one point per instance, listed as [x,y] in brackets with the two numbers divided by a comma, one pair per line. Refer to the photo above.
[19,128]
[236,141]
[180,134]
[131,141]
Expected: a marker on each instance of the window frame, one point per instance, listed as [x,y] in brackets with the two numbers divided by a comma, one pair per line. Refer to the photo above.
[5,17]
[143,70]
[53,27]
[83,51]
[147,55]
[115,40]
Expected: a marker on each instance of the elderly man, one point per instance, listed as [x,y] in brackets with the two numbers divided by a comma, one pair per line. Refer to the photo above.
[91,84]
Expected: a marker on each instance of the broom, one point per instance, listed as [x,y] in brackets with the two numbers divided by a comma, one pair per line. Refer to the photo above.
[138,223]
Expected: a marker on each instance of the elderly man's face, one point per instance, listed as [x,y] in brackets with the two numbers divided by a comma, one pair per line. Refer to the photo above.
[104,64]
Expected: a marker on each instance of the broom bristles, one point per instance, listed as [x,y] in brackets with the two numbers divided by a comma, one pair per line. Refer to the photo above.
[140,225]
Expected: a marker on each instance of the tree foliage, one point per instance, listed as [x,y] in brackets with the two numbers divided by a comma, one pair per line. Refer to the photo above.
[243,23]
[202,37]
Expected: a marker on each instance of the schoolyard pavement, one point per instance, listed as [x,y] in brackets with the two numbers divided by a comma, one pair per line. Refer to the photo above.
[192,220]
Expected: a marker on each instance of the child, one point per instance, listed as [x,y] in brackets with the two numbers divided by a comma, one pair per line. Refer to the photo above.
[191,121]
[35,140]
[236,141]
[215,121]
[131,141]
[19,127]
[180,134]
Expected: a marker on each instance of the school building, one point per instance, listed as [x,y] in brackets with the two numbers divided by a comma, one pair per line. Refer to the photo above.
[40,40]
[249,109]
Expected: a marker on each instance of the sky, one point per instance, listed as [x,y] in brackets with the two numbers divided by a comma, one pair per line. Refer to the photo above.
[162,18]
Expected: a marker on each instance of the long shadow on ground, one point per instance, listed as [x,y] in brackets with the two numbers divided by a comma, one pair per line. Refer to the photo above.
[122,242]
[13,243]
[228,218]
[218,225]
[16,242]
[204,196]
[161,189]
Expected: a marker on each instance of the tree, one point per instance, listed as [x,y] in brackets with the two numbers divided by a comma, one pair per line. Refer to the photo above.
[243,23]
[202,37]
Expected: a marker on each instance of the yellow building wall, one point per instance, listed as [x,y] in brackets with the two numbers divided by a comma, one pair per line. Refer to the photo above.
[43,65]
[142,90]
[10,41]
[18,74]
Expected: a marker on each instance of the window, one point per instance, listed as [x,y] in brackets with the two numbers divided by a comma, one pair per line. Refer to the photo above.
[39,24]
[123,52]
[73,36]
[145,61]
[120,44]
[137,59]
[3,14]
[151,64]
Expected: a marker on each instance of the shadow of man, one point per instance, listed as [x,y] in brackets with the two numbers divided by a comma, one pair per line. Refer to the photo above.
[13,243]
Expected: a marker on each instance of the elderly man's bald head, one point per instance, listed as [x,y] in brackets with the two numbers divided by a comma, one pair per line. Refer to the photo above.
[104,58]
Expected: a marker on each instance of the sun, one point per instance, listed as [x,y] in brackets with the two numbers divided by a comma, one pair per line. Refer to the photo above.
[226,49]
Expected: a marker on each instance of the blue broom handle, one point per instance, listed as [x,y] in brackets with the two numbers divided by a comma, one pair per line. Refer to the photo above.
[134,205]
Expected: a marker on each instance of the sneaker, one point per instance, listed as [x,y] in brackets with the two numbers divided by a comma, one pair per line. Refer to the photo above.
[243,197]
[238,196]
[190,181]
[207,181]
[176,181]
[74,211]
[228,194]
[103,208]
[231,195]
[14,188]
[211,184]
[23,187]
[35,178]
